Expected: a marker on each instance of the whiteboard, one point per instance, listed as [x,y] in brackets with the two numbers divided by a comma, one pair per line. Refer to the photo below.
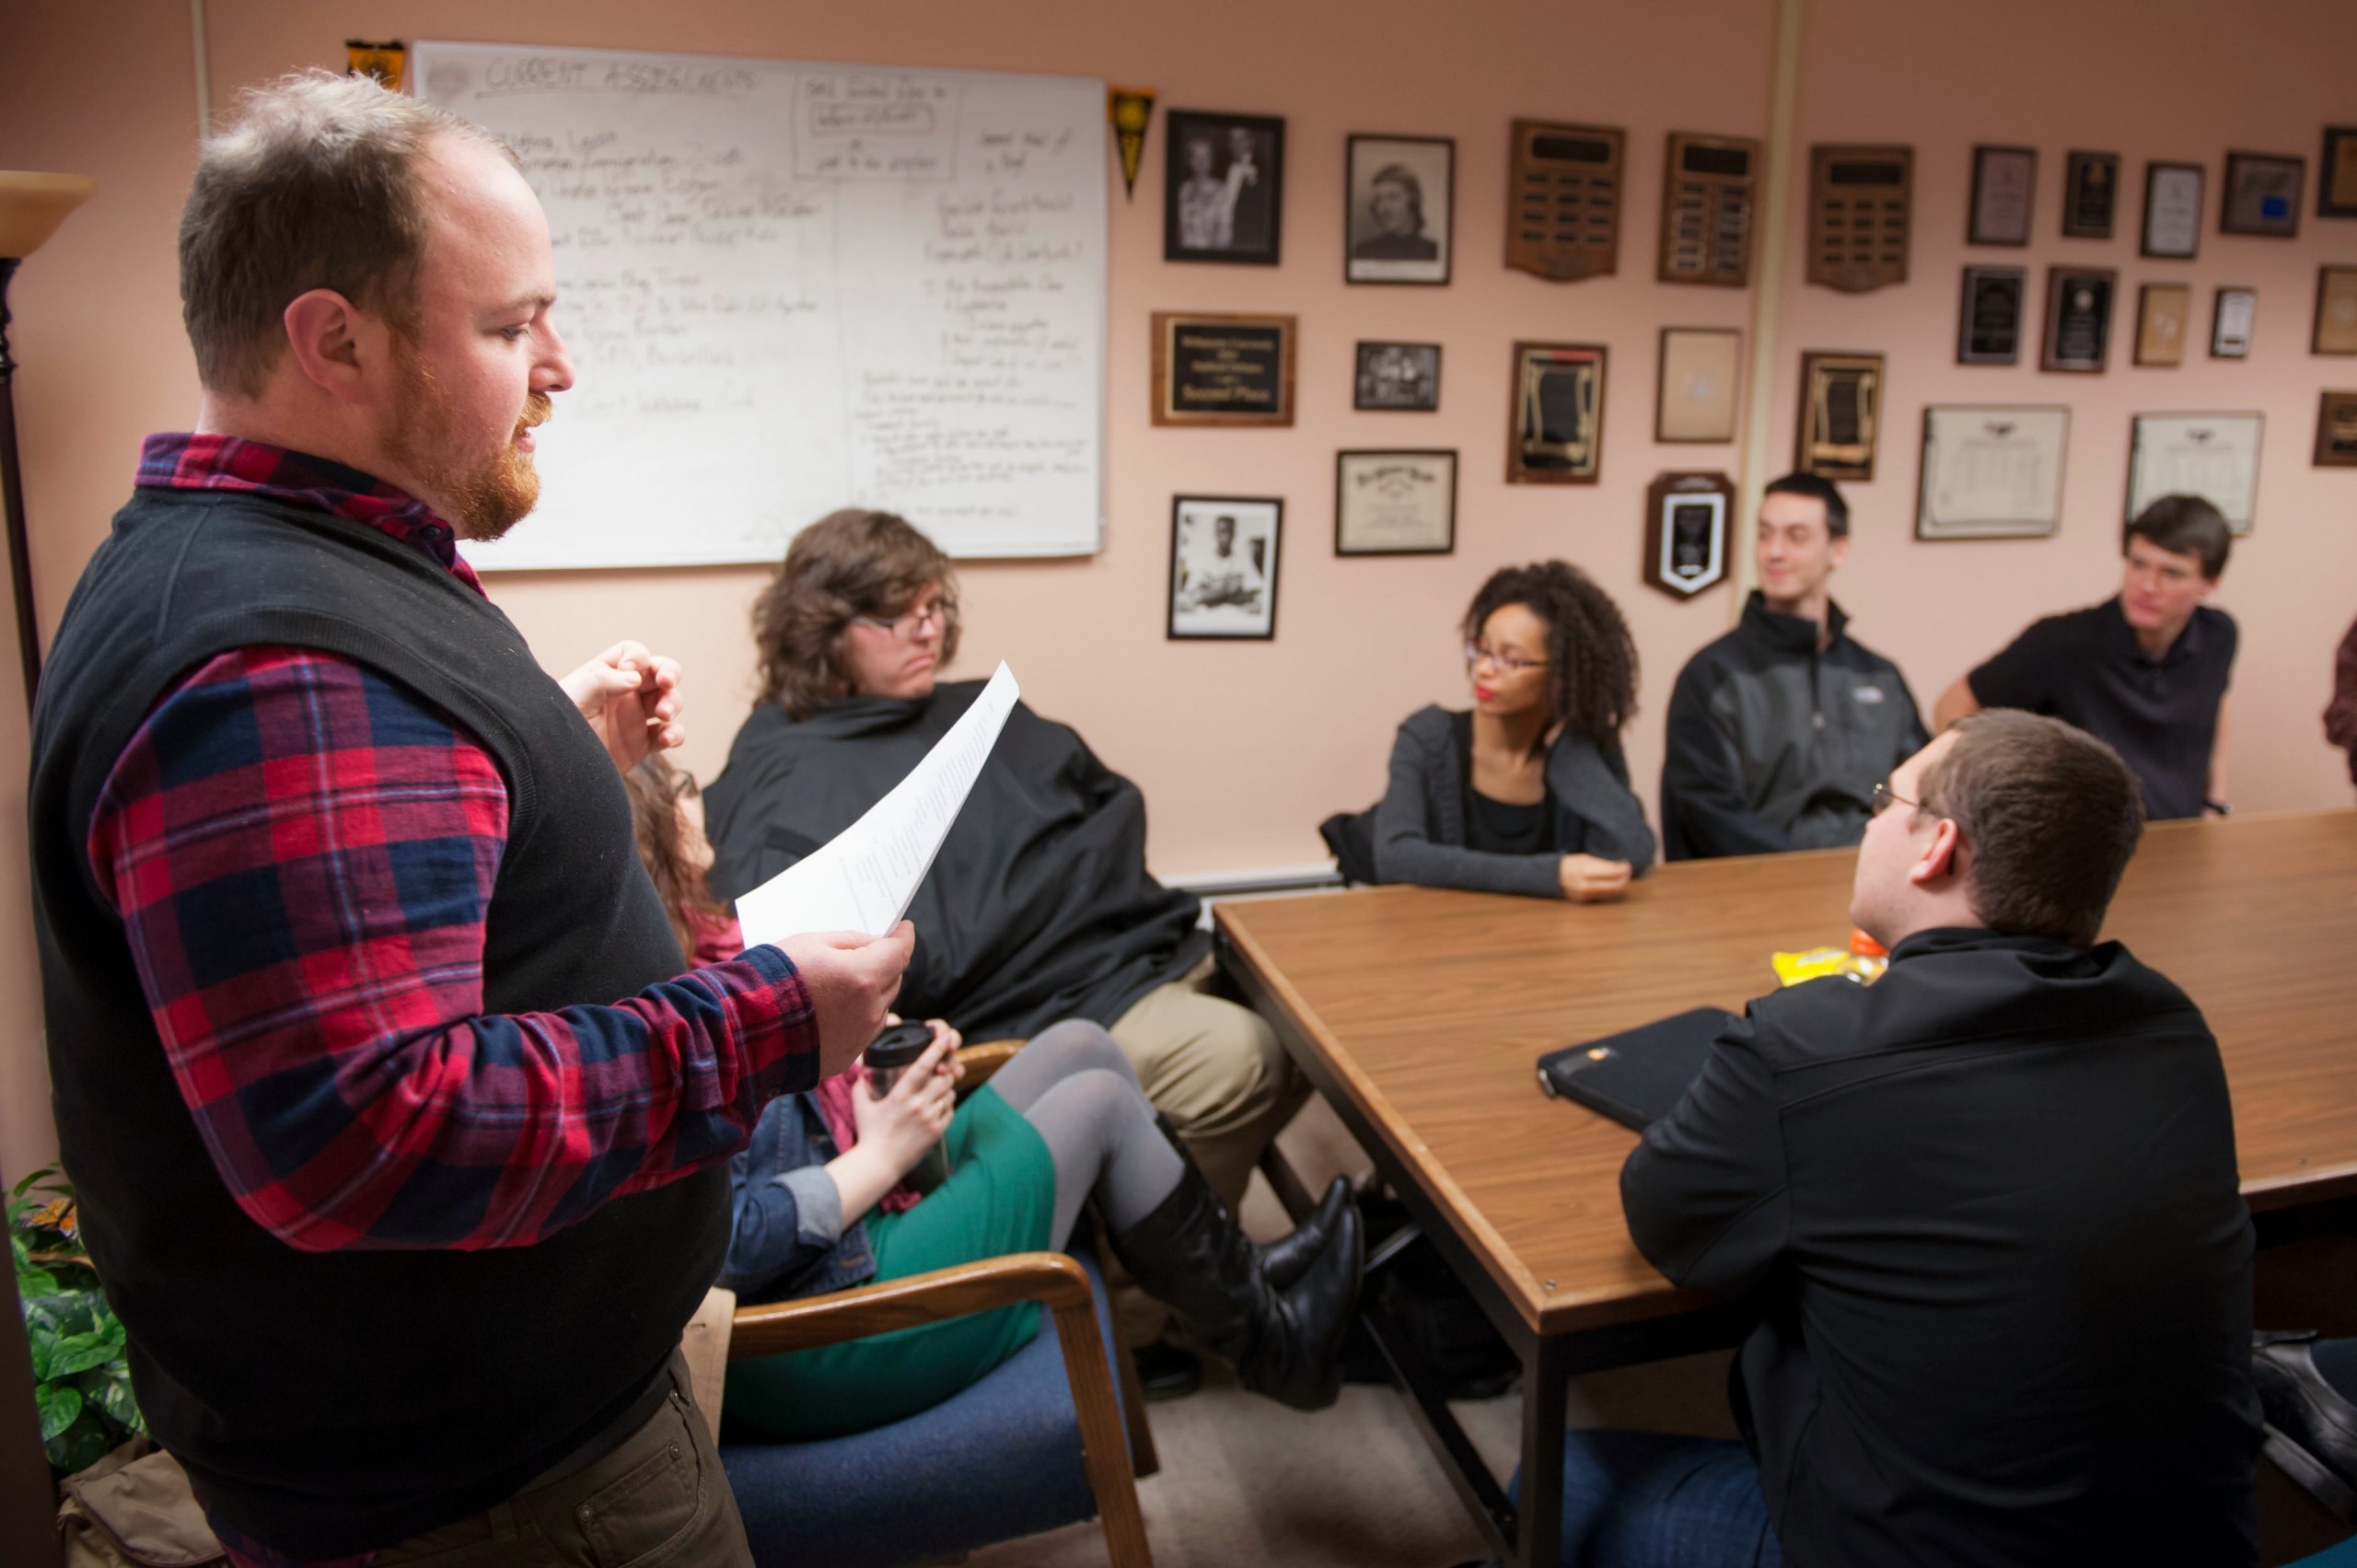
[792,287]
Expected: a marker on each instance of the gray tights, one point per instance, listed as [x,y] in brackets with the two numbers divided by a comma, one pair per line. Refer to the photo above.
[1075,1086]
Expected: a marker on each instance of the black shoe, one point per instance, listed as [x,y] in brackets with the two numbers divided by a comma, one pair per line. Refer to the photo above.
[1288,1257]
[2311,1428]
[1190,1254]
[1166,1372]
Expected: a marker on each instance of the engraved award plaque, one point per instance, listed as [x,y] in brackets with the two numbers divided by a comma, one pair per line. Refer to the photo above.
[1710,187]
[1860,206]
[1563,200]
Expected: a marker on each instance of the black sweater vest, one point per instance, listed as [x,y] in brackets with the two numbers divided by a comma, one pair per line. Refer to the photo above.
[332,1402]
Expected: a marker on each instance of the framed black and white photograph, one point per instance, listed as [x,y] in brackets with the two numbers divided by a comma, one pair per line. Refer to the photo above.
[2005,180]
[1989,323]
[2173,210]
[1224,192]
[2231,323]
[1402,377]
[2262,195]
[1395,503]
[1402,193]
[1991,472]
[1224,566]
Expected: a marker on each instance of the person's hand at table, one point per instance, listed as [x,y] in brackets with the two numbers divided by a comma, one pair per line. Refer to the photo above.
[631,697]
[1588,879]
[851,978]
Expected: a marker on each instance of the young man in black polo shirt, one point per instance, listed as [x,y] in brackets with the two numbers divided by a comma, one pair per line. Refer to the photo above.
[1986,1210]
[2146,670]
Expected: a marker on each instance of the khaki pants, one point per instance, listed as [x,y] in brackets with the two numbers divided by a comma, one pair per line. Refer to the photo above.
[1215,1069]
[657,1499]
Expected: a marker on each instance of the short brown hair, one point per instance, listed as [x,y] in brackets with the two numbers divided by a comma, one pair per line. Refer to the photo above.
[855,561]
[2185,524]
[2050,815]
[315,187]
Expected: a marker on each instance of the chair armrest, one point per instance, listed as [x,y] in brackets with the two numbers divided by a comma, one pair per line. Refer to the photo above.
[982,1059]
[777,1327]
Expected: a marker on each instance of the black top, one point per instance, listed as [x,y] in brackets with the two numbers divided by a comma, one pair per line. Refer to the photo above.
[1038,908]
[2088,668]
[1502,827]
[333,1402]
[1987,1210]
[1775,745]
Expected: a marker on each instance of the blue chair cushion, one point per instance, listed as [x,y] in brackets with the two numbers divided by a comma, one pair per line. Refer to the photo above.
[997,1461]
[2342,1556]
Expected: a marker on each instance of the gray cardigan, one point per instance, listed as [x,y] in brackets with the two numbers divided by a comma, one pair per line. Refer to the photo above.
[1420,824]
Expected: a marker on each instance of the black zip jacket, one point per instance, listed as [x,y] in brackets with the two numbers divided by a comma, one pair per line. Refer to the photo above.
[1774,745]
[1987,1213]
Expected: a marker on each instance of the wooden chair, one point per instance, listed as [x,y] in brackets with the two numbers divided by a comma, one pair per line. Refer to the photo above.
[1062,1286]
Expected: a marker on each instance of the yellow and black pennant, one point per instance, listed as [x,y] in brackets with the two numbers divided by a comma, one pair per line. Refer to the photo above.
[1129,110]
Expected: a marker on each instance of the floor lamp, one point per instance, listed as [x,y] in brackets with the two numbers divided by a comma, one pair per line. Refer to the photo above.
[31,206]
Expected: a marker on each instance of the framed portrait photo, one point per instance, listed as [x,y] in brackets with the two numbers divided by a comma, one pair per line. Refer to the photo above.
[2337,173]
[2003,181]
[1988,322]
[2215,456]
[1991,472]
[1558,402]
[2163,315]
[1404,378]
[2336,324]
[2337,431]
[1223,567]
[1224,192]
[2078,319]
[2262,195]
[2231,321]
[1402,195]
[1702,372]
[2172,210]
[1395,503]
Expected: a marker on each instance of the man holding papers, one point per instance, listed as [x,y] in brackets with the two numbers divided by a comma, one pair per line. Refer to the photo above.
[1037,907]
[400,1128]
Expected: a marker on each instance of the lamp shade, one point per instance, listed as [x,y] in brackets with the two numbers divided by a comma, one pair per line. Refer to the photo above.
[32,205]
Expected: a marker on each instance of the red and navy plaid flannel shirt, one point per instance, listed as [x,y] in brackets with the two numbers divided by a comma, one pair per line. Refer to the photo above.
[302,852]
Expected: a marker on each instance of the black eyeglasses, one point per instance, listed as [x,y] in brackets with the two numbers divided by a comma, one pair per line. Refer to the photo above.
[1885,797]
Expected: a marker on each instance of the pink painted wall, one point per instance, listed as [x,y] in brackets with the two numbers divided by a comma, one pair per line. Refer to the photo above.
[1243,747]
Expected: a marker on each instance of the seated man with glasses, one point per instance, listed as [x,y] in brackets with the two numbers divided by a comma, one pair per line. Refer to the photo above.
[1526,793]
[1038,907]
[1986,1212]
[1778,729]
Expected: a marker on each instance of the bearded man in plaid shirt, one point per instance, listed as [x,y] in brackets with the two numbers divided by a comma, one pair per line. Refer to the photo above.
[400,1123]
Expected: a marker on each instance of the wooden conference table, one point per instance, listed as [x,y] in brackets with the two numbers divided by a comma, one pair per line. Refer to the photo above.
[1420,1014]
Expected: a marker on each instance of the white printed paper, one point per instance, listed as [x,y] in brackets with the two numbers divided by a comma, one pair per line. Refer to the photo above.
[864,877]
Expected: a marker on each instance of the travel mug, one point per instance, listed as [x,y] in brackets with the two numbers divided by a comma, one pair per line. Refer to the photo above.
[887,1056]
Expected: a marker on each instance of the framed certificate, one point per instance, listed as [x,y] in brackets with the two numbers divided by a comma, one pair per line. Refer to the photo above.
[1558,402]
[2337,431]
[1991,472]
[2215,456]
[2003,181]
[1395,503]
[1701,369]
[2231,321]
[1840,415]
[2162,311]
[2090,195]
[2262,195]
[1686,532]
[2172,210]
[2078,319]
[2336,328]
[1221,369]
[1989,323]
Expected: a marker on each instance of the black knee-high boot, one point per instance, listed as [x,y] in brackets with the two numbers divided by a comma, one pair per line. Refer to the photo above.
[1287,1258]
[1283,1341]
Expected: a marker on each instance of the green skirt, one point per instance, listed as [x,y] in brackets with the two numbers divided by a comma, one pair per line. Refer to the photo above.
[1000,1198]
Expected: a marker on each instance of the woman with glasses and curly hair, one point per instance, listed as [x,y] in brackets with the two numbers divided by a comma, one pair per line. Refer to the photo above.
[1526,792]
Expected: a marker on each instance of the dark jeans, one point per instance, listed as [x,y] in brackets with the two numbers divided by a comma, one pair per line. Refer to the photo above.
[657,1499]
[1648,1500]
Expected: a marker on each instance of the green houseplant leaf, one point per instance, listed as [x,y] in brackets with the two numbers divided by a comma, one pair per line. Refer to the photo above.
[59,1407]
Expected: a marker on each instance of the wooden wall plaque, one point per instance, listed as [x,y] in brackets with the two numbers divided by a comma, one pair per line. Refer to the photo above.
[1710,190]
[1563,200]
[1861,210]
[1687,518]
